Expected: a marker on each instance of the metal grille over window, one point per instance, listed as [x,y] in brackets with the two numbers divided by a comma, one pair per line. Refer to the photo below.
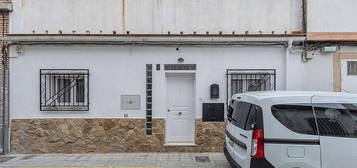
[64,90]
[148,99]
[352,67]
[178,67]
[248,80]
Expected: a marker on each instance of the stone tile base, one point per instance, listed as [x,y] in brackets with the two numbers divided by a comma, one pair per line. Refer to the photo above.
[105,136]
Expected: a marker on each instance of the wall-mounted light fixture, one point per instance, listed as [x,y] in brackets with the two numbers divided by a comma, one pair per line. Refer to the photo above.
[180,60]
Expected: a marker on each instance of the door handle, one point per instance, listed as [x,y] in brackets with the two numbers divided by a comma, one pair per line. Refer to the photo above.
[179,113]
[168,110]
[243,136]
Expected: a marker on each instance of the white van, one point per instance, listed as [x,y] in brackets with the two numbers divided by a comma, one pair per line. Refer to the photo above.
[292,130]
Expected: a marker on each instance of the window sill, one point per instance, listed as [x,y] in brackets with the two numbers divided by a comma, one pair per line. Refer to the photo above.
[65,108]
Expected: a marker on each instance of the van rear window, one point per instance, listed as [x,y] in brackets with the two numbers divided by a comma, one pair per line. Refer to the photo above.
[297,118]
[337,119]
[240,114]
[246,116]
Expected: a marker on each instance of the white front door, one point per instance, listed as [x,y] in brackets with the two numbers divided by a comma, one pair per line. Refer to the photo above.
[348,81]
[180,122]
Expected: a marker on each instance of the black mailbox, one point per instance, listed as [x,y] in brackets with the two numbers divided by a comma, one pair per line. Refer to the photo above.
[214,91]
[212,112]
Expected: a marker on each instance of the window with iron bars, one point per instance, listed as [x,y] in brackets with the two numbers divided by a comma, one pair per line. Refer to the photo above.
[64,90]
[248,80]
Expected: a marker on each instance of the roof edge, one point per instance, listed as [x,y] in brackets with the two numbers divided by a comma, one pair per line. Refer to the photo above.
[141,38]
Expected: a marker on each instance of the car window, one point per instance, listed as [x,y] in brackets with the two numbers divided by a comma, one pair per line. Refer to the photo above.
[240,114]
[298,118]
[336,119]
[255,118]
[230,110]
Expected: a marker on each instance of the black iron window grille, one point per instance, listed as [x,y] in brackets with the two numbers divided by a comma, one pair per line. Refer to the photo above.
[248,80]
[64,90]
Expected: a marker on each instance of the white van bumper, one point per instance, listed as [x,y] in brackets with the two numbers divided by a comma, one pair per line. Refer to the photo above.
[254,163]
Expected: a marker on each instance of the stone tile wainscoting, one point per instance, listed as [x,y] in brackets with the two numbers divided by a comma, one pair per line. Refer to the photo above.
[105,136]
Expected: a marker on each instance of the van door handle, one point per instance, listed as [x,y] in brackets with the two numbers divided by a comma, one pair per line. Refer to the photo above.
[243,136]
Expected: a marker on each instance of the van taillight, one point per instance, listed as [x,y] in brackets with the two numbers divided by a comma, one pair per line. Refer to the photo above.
[258,143]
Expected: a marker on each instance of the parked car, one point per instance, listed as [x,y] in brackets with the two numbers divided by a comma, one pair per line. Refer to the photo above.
[292,130]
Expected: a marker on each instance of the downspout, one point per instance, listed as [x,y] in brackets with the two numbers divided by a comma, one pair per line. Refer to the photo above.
[3,83]
[287,59]
[6,101]
[5,110]
[304,15]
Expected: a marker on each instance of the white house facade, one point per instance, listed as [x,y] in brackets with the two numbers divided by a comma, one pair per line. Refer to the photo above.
[156,75]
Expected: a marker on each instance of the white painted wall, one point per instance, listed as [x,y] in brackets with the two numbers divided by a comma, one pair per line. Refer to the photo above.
[317,73]
[116,70]
[332,15]
[156,16]
[348,82]
[313,75]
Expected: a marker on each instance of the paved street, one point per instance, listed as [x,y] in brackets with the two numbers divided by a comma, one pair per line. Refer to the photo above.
[115,160]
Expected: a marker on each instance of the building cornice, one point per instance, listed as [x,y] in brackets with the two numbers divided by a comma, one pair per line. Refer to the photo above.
[332,36]
[153,39]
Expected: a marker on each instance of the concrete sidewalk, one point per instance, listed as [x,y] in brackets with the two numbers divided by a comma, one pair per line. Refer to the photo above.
[117,160]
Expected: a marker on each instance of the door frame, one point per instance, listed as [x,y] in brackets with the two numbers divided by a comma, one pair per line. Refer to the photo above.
[337,82]
[194,105]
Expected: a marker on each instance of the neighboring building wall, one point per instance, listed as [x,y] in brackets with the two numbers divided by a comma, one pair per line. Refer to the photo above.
[328,74]
[317,73]
[157,16]
[332,16]
[332,20]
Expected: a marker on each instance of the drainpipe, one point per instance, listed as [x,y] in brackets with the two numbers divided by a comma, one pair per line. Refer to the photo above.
[304,15]
[5,112]
[6,101]
[3,84]
[287,59]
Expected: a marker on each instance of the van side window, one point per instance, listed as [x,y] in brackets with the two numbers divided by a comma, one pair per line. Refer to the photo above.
[255,118]
[297,118]
[240,114]
[337,119]
[230,110]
